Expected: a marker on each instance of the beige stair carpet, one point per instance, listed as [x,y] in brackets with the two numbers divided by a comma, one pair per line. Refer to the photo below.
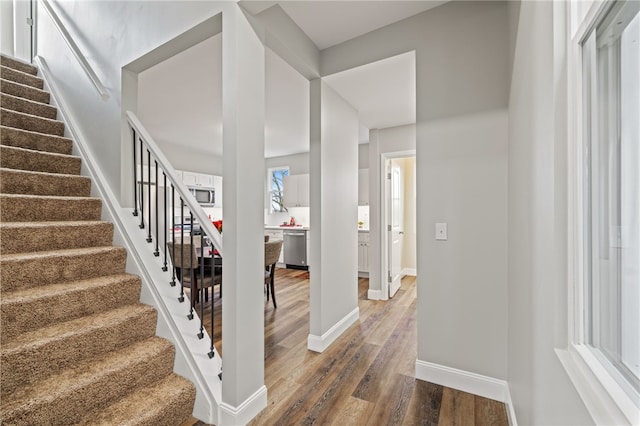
[77,346]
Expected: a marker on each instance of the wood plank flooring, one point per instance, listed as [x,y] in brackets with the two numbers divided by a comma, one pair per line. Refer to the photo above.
[364,378]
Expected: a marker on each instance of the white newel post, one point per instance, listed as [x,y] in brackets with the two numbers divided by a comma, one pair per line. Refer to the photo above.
[243,390]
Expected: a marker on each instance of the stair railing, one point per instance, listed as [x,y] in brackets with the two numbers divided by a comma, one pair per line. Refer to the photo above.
[154,206]
[82,60]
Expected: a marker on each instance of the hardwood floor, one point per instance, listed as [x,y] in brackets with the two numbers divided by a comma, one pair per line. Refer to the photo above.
[366,377]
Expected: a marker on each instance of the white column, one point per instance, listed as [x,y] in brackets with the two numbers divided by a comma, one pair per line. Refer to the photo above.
[334,216]
[243,390]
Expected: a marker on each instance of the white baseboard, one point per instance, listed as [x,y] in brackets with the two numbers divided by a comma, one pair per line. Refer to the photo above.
[242,414]
[410,271]
[375,295]
[320,343]
[466,381]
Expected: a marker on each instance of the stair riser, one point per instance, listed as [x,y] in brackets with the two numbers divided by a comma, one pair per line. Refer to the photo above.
[26,315]
[38,238]
[35,161]
[21,77]
[20,66]
[35,209]
[21,368]
[137,410]
[35,141]
[43,270]
[22,91]
[28,107]
[18,120]
[39,184]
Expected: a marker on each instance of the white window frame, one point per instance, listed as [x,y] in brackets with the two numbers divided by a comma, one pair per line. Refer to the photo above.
[269,195]
[604,398]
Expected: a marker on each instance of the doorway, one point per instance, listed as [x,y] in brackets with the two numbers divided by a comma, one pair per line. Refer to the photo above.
[399,219]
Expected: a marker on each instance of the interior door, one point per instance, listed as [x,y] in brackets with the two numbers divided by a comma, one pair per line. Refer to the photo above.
[396,228]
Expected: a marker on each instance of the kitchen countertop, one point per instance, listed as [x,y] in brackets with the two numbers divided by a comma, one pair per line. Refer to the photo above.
[285,228]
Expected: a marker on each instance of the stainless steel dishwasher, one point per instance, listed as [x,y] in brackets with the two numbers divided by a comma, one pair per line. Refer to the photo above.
[295,249]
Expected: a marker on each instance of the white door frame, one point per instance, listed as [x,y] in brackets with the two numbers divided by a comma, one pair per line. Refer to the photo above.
[384,218]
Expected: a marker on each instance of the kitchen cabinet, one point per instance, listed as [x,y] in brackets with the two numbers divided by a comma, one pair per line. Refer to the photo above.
[296,190]
[363,252]
[276,234]
[217,185]
[197,179]
[363,187]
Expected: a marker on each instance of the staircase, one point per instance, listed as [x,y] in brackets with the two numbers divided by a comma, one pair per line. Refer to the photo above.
[77,346]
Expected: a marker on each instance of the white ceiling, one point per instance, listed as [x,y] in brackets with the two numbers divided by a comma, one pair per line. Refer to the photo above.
[328,23]
[180,99]
[383,92]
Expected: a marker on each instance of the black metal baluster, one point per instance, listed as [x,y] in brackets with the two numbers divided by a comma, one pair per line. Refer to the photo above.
[202,288]
[157,250]
[172,283]
[181,298]
[141,184]
[149,239]
[164,211]
[213,266]
[135,175]
[192,293]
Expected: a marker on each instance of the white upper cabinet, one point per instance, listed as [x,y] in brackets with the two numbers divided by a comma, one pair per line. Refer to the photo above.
[197,179]
[217,185]
[296,190]
[363,187]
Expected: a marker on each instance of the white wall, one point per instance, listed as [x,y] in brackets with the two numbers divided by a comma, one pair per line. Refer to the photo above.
[540,388]
[111,35]
[462,302]
[334,210]
[6,27]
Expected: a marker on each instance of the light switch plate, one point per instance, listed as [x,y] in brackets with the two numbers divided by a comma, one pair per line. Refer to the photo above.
[441,231]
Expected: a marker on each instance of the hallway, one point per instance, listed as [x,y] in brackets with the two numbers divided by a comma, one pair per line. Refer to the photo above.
[365,378]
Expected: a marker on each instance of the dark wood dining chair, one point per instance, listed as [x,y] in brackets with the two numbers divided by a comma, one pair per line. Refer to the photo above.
[186,262]
[271,254]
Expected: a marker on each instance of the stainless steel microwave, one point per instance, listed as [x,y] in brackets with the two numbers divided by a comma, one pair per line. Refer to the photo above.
[204,196]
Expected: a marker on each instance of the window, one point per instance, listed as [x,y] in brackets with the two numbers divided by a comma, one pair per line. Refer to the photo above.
[275,177]
[611,194]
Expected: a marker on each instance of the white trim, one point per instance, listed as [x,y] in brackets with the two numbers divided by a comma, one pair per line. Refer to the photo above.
[466,381]
[320,343]
[374,295]
[191,359]
[511,411]
[410,271]
[603,406]
[242,414]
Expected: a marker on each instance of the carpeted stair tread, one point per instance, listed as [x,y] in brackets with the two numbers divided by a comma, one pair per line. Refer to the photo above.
[17,64]
[20,120]
[24,91]
[26,106]
[21,77]
[166,403]
[35,208]
[13,181]
[37,161]
[42,353]
[26,270]
[35,141]
[90,386]
[22,237]
[26,310]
